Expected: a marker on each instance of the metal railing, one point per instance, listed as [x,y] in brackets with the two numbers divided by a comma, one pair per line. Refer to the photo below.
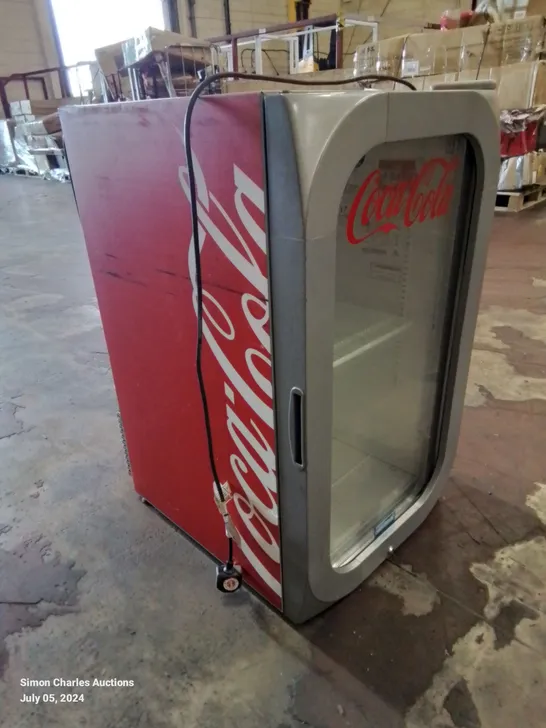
[56,82]
[300,37]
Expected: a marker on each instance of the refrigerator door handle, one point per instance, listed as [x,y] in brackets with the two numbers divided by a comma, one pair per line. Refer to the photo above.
[296,427]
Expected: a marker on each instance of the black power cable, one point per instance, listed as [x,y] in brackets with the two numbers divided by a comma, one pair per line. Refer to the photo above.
[228,578]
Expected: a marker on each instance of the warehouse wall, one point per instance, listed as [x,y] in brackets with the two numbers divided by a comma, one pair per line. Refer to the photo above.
[26,39]
[26,42]
[245,14]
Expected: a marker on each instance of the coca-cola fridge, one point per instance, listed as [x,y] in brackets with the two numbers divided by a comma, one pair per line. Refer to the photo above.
[343,240]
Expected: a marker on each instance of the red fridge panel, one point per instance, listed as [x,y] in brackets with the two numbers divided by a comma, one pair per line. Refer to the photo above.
[128,167]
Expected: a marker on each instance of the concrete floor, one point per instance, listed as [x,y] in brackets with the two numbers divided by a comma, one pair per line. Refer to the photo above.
[451,634]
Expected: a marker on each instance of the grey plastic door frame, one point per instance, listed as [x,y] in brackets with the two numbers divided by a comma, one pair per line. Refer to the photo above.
[307,169]
[287,295]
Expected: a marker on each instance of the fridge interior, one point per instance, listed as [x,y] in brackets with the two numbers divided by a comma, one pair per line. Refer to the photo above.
[391,307]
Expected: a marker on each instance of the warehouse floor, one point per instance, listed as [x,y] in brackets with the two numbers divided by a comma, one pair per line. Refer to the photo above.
[451,634]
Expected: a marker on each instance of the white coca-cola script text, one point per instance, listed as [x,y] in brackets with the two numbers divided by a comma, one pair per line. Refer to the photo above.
[252,462]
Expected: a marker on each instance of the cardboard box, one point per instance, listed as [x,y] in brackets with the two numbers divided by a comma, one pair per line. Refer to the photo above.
[39,107]
[523,171]
[534,7]
[110,58]
[46,125]
[141,46]
[420,54]
[380,57]
[540,168]
[519,86]
[22,118]
[253,86]
[481,47]
[452,51]
[110,61]
[114,59]
[523,40]
[427,54]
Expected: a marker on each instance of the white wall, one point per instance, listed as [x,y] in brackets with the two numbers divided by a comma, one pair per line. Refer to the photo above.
[245,14]
[26,43]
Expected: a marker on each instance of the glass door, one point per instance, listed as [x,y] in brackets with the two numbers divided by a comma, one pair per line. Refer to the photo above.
[395,256]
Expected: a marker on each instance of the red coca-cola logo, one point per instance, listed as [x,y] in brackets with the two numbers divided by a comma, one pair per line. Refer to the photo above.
[427,195]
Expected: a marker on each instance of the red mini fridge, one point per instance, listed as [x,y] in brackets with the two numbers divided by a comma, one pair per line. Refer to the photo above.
[343,240]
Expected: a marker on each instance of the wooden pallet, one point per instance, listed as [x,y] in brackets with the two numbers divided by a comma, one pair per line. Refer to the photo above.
[519,200]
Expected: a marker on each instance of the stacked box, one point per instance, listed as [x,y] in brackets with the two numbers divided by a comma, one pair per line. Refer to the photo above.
[39,127]
[37,138]
[519,86]
[508,53]
[187,57]
[454,51]
[38,107]
[522,171]
[140,47]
